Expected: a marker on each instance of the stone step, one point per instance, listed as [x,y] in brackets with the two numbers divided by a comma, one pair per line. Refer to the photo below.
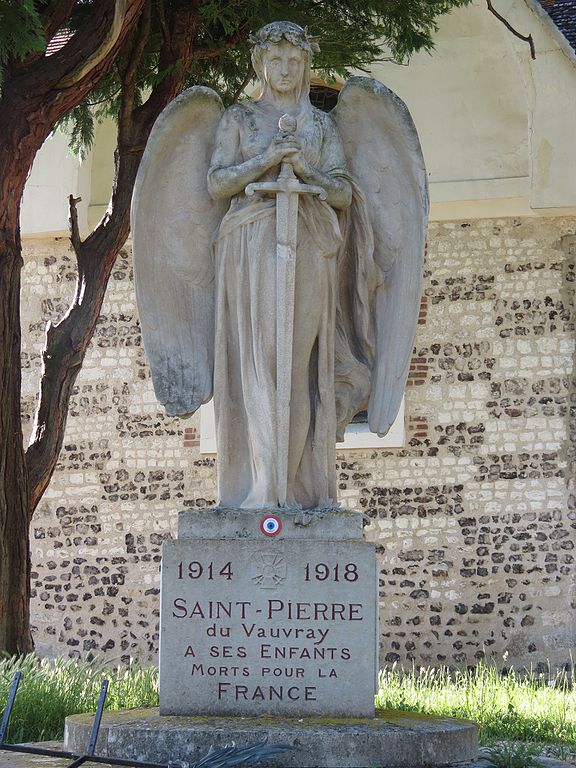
[393,739]
[14,760]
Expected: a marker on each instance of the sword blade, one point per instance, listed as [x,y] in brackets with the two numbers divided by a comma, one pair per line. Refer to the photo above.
[286,236]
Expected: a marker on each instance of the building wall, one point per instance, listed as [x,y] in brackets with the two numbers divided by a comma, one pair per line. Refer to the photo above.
[469,103]
[495,125]
[473,519]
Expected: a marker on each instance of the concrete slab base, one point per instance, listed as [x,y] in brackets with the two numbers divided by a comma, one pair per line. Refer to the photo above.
[390,740]
[13,760]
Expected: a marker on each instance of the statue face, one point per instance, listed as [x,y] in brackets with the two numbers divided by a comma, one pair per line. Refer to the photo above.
[284,66]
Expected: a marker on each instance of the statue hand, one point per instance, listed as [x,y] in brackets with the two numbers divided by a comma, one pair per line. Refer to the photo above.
[280,148]
[301,166]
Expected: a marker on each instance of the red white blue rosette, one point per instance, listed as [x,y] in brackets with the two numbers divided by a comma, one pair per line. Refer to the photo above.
[271,525]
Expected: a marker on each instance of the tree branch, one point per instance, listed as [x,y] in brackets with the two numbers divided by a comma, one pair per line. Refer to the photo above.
[85,66]
[161,11]
[247,77]
[31,102]
[128,76]
[80,63]
[179,30]
[75,238]
[526,38]
[230,42]
[55,16]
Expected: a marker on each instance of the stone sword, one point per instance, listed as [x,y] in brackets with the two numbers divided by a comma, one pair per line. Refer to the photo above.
[287,188]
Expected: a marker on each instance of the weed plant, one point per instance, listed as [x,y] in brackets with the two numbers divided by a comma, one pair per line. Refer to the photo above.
[513,755]
[512,706]
[51,690]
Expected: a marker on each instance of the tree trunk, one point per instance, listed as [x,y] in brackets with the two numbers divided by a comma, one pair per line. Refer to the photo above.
[15,637]
[36,92]
[66,345]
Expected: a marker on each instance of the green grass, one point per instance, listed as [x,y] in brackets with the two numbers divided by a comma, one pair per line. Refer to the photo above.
[51,690]
[511,707]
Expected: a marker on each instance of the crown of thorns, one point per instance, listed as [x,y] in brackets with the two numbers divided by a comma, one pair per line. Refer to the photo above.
[284,30]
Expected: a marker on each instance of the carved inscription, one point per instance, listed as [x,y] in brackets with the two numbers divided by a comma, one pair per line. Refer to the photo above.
[269,569]
[276,627]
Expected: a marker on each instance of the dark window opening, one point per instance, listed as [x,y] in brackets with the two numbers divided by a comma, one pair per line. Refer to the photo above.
[323,97]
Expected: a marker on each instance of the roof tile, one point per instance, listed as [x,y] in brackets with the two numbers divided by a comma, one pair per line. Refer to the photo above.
[563,14]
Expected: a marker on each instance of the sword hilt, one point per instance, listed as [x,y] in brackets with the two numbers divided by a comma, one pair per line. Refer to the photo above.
[273,187]
[287,180]
[286,171]
[287,126]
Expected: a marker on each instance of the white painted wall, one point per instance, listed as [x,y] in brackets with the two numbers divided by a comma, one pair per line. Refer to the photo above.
[552,104]
[356,437]
[55,175]
[494,124]
[469,106]
[102,170]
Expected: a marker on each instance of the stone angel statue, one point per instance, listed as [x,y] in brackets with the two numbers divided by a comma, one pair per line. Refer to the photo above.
[278,259]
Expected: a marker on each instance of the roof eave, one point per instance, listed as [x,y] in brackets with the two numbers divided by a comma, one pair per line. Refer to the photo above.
[562,41]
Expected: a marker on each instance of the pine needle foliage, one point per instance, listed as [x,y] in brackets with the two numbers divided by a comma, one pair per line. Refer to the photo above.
[79,126]
[21,31]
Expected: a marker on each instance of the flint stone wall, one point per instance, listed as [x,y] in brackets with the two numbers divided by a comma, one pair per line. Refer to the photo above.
[474,519]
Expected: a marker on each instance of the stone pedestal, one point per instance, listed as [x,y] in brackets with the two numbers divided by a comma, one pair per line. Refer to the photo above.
[273,638]
[388,740]
[258,621]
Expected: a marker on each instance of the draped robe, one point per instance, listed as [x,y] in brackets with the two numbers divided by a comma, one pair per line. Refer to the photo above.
[245,342]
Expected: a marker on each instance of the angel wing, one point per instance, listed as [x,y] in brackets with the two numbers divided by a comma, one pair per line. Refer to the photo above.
[173,221]
[384,157]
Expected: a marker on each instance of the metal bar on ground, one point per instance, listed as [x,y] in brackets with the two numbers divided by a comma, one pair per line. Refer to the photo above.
[78,761]
[116,761]
[25,749]
[97,719]
[9,705]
